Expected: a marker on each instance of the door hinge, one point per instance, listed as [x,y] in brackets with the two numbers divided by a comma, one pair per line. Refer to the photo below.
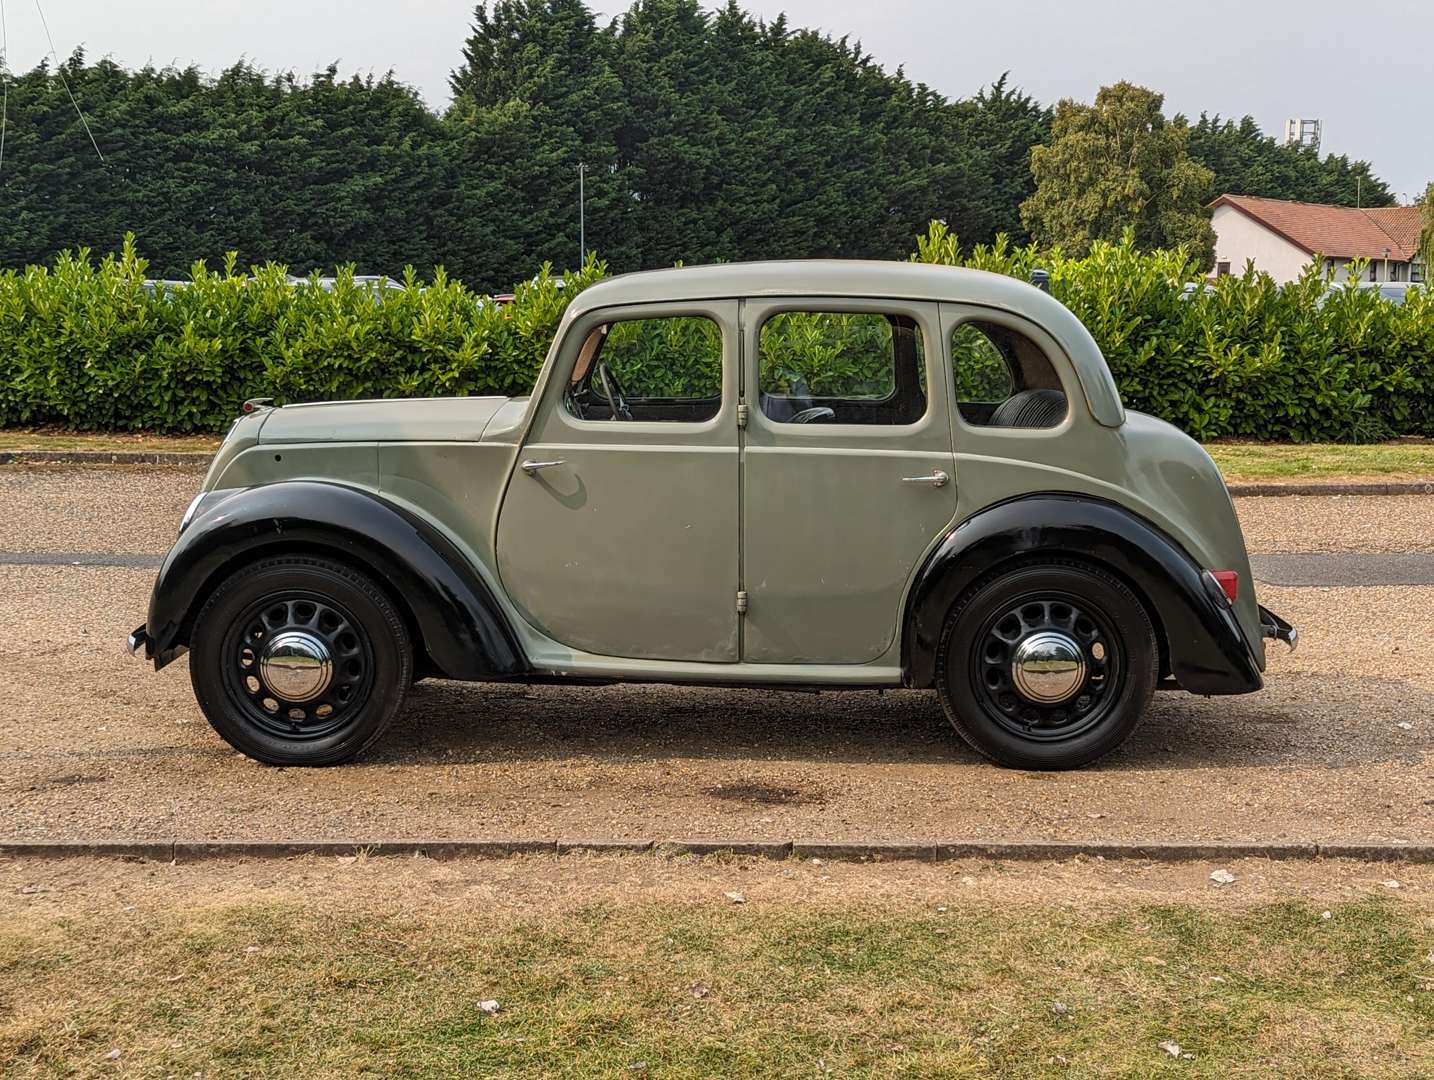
[742,416]
[741,602]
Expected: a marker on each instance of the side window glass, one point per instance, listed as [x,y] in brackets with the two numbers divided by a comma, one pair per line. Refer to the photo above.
[667,368]
[823,367]
[1004,379]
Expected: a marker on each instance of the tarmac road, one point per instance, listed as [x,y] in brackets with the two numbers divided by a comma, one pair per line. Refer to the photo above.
[1338,748]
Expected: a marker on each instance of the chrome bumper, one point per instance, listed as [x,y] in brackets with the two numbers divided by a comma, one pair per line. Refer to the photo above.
[1272,626]
[138,644]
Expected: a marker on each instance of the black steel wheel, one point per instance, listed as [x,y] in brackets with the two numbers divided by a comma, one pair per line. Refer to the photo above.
[300,661]
[1047,666]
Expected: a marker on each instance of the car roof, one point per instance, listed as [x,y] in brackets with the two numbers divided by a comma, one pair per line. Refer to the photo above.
[874,279]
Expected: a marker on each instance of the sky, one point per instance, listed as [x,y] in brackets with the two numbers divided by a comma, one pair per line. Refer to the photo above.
[1356,68]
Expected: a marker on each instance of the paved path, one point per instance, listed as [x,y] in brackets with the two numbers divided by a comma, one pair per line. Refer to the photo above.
[79,558]
[1344,568]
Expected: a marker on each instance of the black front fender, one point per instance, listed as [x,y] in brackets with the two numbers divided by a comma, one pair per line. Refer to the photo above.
[462,628]
[1206,648]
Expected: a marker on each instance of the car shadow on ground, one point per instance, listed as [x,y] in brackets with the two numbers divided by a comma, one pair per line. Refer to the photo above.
[1297,721]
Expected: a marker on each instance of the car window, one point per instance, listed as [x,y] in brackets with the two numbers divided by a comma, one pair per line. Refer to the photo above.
[1004,379]
[982,373]
[666,368]
[841,367]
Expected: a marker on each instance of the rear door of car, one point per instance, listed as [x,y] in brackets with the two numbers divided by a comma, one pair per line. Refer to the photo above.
[839,509]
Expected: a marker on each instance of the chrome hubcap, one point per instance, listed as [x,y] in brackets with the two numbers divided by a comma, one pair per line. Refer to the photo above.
[296,666]
[1048,667]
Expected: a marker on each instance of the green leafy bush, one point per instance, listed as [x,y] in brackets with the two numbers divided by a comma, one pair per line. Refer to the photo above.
[1308,361]
[85,345]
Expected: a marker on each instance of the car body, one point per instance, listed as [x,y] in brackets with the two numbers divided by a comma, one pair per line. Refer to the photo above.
[822,474]
[1394,291]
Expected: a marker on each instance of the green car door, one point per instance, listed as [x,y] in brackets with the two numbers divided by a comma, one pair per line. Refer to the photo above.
[848,473]
[618,531]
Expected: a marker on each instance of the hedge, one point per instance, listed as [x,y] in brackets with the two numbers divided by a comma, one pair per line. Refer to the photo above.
[85,345]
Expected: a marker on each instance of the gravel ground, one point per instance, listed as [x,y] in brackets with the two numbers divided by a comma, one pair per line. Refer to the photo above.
[112,508]
[96,746]
[1370,523]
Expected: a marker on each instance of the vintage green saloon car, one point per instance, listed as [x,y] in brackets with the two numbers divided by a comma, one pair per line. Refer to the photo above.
[831,475]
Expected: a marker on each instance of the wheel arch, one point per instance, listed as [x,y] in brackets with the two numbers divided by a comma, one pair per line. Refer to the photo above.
[452,616]
[1200,642]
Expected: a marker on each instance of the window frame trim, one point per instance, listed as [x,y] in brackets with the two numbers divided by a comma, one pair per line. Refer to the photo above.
[569,342]
[771,306]
[955,315]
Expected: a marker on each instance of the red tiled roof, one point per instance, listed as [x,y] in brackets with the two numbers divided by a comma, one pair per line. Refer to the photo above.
[1342,232]
[1400,222]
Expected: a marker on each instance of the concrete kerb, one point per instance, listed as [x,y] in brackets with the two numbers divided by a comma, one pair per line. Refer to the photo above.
[836,851]
[1392,487]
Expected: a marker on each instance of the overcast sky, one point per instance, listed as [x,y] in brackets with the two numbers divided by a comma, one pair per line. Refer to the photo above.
[1362,69]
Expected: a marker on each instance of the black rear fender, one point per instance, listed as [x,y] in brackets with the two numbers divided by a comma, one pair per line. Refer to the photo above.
[458,621]
[1203,645]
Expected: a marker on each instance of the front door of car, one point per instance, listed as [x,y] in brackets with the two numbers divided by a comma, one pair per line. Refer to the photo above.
[618,531]
[848,473]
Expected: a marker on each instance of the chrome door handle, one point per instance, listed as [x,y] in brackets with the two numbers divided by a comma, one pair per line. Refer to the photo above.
[936,478]
[532,467]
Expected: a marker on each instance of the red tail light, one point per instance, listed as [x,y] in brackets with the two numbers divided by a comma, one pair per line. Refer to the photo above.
[1229,581]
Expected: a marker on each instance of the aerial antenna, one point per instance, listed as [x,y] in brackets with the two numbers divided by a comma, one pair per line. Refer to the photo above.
[60,69]
[4,80]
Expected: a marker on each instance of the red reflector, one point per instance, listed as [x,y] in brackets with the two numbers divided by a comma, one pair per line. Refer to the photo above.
[1229,580]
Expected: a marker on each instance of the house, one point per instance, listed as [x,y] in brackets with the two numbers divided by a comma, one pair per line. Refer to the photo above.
[1282,238]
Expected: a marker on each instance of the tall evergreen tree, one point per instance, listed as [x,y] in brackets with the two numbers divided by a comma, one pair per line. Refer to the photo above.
[1246,161]
[707,135]
[535,98]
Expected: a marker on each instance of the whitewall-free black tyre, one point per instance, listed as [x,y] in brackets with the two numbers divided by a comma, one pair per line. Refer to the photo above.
[1047,666]
[299,660]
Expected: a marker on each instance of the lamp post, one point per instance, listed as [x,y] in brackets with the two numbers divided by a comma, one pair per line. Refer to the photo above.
[582,214]
[1386,264]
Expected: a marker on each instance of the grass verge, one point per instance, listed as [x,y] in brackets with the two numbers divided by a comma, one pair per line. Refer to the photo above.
[1402,460]
[276,989]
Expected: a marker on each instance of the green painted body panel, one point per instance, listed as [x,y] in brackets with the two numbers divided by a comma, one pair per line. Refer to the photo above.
[412,419]
[629,547]
[626,560]
[831,529]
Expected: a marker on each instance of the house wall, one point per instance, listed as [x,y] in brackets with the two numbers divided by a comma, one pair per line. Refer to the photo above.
[1239,238]
[1376,270]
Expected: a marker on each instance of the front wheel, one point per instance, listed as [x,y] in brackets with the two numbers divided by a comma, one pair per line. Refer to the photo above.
[300,661]
[1047,666]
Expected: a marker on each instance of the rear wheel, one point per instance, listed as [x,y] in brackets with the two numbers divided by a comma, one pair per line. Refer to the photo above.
[300,661]
[1048,666]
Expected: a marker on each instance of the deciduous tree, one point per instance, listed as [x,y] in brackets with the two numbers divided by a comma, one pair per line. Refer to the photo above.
[1118,165]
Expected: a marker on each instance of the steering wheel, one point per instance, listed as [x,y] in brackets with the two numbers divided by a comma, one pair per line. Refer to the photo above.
[612,391]
[813,415]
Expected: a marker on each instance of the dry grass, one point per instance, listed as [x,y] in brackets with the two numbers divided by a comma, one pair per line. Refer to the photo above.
[273,988]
